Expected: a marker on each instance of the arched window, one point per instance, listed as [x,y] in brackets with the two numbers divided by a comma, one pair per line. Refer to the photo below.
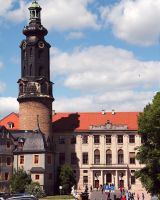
[41,71]
[108,157]
[30,70]
[30,52]
[24,70]
[96,156]
[120,157]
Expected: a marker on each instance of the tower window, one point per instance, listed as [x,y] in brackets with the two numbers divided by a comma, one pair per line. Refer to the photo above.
[30,70]
[30,52]
[41,71]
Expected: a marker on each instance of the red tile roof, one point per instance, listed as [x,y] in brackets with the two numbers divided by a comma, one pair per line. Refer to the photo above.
[81,121]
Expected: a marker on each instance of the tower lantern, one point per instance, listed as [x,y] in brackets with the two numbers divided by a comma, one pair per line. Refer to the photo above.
[35,11]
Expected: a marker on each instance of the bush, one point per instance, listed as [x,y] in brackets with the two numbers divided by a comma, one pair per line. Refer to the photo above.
[35,189]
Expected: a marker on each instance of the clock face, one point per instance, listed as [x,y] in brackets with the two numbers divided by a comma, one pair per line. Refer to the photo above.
[41,44]
[24,45]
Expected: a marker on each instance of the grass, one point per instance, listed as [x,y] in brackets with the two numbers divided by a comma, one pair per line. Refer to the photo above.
[59,197]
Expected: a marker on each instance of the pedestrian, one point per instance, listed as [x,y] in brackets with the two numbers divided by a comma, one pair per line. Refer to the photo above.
[142,196]
[121,189]
[127,196]
[109,196]
[90,188]
[123,197]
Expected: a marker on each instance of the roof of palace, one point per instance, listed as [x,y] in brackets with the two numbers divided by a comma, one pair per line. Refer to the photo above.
[84,121]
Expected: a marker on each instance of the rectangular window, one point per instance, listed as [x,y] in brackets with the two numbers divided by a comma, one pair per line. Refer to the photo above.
[36,176]
[85,158]
[133,180]
[49,159]
[132,158]
[73,139]
[9,160]
[108,139]
[96,139]
[131,138]
[36,159]
[120,139]
[21,160]
[6,176]
[85,180]
[61,140]
[85,139]
[73,158]
[61,158]
[85,171]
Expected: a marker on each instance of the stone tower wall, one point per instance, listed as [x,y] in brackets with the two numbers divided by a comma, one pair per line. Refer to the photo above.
[30,109]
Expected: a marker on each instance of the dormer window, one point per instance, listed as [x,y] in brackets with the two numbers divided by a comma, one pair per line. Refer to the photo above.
[10,125]
[21,142]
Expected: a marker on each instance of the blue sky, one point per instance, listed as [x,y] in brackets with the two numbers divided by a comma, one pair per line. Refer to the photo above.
[105,53]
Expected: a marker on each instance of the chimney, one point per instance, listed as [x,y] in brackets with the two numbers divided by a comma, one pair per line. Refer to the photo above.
[53,112]
[103,112]
[113,112]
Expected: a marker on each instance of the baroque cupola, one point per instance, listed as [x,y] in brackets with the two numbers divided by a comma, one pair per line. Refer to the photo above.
[35,88]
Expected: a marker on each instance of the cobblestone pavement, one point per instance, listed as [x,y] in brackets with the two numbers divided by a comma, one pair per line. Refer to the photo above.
[98,195]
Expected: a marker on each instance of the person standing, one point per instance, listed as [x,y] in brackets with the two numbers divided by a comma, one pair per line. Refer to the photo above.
[142,196]
[127,195]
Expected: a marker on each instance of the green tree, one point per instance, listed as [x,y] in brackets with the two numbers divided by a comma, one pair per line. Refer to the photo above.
[35,189]
[149,151]
[19,181]
[66,178]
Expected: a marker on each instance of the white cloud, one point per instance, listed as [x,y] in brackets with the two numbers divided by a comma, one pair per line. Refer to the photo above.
[105,77]
[104,68]
[59,15]
[119,101]
[5,6]
[8,105]
[74,35]
[68,14]
[135,21]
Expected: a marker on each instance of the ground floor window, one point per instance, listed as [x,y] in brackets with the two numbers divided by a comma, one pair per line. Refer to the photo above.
[37,177]
[85,180]
[133,180]
[109,178]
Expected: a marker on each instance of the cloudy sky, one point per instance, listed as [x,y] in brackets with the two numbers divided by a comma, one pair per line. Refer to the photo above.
[105,53]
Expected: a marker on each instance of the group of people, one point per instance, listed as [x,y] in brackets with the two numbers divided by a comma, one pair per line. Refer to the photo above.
[127,195]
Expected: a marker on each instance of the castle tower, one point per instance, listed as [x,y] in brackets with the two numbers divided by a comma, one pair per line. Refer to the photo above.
[35,88]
